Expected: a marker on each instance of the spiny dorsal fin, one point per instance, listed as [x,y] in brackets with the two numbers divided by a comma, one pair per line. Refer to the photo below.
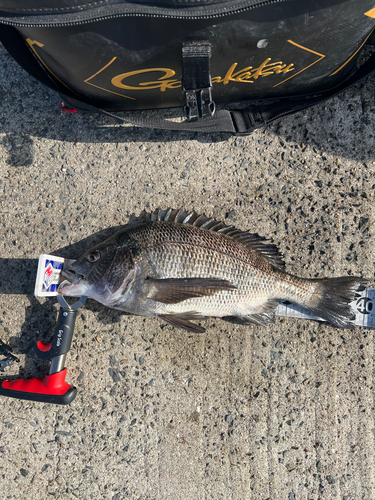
[252,241]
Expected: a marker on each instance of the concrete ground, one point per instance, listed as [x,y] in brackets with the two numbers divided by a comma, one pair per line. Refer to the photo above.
[240,412]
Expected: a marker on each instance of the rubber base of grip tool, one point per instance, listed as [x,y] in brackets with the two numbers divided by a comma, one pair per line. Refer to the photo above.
[49,389]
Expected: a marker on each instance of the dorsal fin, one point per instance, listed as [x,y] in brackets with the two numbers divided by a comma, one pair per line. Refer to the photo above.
[252,241]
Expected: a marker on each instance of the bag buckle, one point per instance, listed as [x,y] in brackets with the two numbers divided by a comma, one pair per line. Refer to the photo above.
[199,103]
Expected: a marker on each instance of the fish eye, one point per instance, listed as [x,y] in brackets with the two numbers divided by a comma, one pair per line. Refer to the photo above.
[93,256]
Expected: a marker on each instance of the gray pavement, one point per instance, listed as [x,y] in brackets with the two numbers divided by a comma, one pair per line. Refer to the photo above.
[240,412]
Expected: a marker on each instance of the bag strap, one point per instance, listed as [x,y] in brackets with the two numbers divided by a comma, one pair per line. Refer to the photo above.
[196,80]
[251,118]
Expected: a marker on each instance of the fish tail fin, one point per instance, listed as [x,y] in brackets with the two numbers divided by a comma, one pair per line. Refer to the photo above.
[332,299]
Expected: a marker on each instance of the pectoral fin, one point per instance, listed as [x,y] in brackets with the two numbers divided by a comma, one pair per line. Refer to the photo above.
[174,290]
[183,321]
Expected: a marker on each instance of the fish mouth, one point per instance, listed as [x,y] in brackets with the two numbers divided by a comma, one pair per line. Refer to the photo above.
[70,283]
[73,277]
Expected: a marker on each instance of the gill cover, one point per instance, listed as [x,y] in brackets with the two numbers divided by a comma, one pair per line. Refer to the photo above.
[105,271]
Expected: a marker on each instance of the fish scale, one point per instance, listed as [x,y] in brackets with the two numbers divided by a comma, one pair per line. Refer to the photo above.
[182,266]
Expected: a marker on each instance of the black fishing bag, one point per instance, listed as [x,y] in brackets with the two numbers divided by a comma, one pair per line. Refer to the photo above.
[200,55]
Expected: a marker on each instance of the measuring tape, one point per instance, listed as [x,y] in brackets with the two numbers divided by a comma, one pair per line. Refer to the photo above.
[363,308]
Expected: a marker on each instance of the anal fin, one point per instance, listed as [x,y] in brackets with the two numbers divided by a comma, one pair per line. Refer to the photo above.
[183,321]
[265,314]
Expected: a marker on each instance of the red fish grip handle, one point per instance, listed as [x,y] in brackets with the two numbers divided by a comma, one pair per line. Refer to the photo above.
[48,389]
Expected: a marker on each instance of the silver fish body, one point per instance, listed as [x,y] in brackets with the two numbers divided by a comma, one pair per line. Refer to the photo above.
[182,267]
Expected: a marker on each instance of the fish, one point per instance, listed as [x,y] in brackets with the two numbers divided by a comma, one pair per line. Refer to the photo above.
[183,267]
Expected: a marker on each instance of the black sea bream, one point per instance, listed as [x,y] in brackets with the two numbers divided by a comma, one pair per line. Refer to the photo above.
[183,266]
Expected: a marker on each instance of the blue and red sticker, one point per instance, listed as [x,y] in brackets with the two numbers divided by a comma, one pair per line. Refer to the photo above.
[52,268]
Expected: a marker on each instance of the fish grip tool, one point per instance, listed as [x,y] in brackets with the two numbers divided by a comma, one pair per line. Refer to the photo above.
[51,388]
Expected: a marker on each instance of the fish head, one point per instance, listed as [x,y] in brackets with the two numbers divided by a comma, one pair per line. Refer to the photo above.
[105,272]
